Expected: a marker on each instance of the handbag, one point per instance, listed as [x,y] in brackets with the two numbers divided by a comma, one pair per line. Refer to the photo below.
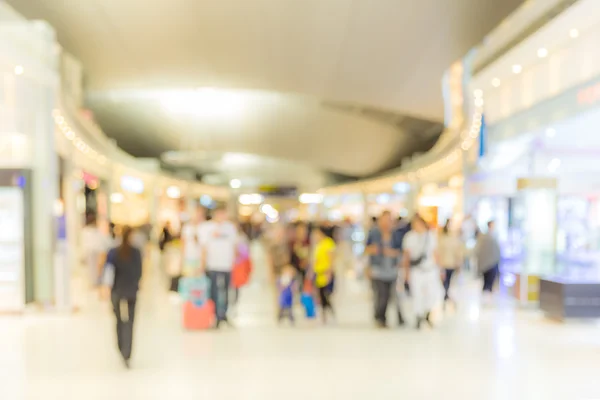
[240,275]
[416,262]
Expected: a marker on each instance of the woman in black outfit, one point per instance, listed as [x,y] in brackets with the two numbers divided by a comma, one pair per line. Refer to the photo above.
[127,263]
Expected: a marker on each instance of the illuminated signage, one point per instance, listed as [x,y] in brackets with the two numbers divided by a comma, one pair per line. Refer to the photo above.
[132,184]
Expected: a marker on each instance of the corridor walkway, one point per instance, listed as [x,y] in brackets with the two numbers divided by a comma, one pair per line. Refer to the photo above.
[489,353]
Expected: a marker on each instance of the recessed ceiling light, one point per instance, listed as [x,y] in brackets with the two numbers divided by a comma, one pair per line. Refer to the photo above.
[235,184]
[19,70]
[517,69]
[574,33]
[542,52]
[550,132]
[478,93]
[496,82]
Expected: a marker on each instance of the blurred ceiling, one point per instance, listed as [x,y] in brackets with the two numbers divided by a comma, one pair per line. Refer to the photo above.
[343,87]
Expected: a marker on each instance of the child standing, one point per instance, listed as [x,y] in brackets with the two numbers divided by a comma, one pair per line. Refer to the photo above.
[286,286]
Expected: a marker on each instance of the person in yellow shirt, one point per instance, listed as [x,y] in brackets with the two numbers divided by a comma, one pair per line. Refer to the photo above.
[323,268]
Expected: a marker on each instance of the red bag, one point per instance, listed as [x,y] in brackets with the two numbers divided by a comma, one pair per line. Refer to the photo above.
[240,275]
[308,287]
[198,317]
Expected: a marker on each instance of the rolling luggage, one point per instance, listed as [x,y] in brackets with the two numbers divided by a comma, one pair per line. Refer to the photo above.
[198,309]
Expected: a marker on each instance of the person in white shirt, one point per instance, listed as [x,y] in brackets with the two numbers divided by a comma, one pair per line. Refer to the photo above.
[421,268]
[94,248]
[451,251]
[190,238]
[219,240]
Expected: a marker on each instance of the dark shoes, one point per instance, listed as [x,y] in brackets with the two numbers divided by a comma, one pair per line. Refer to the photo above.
[427,318]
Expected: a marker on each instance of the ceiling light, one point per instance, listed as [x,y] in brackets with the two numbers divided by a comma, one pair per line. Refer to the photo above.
[19,70]
[542,52]
[173,192]
[516,69]
[117,198]
[311,198]
[496,82]
[204,103]
[574,33]
[478,93]
[250,199]
[235,184]
[550,132]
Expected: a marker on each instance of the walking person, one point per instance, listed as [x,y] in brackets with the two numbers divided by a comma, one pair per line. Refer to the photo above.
[299,252]
[324,256]
[190,240]
[125,262]
[384,247]
[219,240]
[94,247]
[451,252]
[487,253]
[421,269]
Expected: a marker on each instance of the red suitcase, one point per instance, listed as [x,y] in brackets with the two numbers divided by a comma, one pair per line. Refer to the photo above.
[198,317]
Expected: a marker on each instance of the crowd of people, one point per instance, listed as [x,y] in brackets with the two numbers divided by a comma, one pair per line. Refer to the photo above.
[402,256]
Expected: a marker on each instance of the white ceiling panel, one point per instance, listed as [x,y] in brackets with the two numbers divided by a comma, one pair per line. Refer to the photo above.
[379,54]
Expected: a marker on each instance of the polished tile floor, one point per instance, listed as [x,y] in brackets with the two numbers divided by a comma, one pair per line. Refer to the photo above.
[474,353]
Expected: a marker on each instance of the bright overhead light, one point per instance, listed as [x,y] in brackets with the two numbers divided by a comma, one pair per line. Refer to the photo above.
[251,199]
[496,82]
[550,132]
[554,165]
[203,103]
[117,198]
[516,69]
[478,93]
[173,192]
[235,184]
[19,70]
[310,198]
[574,33]
[542,52]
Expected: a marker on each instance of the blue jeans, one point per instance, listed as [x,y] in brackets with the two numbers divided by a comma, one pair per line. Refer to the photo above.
[219,292]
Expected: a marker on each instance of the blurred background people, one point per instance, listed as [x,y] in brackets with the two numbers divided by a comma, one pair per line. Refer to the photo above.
[383,247]
[243,264]
[190,241]
[126,264]
[487,254]
[166,236]
[451,252]
[278,252]
[300,251]
[94,245]
[324,255]
[287,287]
[421,269]
[219,240]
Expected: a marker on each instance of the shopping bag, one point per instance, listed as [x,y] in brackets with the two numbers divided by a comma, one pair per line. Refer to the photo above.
[308,302]
[195,289]
[308,287]
[240,275]
[198,317]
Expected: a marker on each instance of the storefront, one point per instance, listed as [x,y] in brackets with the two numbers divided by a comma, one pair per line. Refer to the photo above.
[538,177]
[28,163]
